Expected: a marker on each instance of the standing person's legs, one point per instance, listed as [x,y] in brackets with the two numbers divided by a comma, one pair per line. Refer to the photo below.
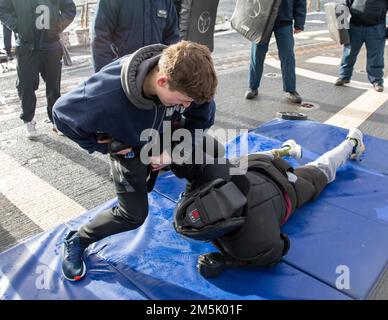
[256,65]
[285,42]
[130,179]
[375,45]
[351,52]
[27,83]
[51,71]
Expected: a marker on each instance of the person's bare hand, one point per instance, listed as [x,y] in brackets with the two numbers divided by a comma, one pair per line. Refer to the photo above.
[104,141]
[124,152]
[296,31]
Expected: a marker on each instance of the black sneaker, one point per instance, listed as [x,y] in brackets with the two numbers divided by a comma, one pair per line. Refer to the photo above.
[293,97]
[378,87]
[73,265]
[251,93]
[341,81]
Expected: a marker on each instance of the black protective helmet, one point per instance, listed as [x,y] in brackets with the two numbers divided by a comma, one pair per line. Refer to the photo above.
[210,211]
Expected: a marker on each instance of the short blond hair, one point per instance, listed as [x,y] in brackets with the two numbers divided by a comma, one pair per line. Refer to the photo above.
[190,70]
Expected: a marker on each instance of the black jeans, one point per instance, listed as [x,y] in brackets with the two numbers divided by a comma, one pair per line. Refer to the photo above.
[31,63]
[130,180]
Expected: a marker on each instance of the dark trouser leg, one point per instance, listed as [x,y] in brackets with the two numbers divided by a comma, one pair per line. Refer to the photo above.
[129,176]
[310,183]
[51,70]
[351,51]
[375,46]
[28,81]
[256,65]
[285,41]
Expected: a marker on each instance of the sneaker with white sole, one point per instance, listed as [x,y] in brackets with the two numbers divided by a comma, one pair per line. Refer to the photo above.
[251,93]
[356,135]
[294,97]
[31,129]
[295,150]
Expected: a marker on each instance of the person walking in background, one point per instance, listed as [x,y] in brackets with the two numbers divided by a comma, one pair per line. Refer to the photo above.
[121,27]
[290,20]
[367,25]
[38,50]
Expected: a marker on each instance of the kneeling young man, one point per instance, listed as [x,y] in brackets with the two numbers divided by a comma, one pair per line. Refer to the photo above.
[109,114]
[242,214]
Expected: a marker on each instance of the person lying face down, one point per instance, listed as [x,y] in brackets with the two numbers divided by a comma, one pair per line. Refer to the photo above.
[242,214]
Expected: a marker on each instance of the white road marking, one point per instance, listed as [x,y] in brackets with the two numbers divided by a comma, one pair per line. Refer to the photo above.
[43,204]
[319,76]
[354,114]
[223,33]
[308,34]
[315,21]
[325,60]
[325,39]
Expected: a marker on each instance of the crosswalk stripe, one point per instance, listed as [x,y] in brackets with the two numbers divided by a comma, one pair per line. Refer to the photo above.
[332,61]
[39,201]
[354,114]
[318,76]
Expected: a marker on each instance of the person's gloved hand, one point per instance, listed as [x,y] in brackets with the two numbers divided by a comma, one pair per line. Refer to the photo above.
[118,148]
[114,147]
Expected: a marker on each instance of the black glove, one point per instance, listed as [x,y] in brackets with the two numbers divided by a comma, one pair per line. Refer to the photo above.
[116,146]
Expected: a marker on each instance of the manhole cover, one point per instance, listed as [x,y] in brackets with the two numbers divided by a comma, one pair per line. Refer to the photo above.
[291,115]
[309,105]
[272,75]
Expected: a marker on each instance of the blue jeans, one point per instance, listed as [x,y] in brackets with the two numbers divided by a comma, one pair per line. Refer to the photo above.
[285,42]
[374,38]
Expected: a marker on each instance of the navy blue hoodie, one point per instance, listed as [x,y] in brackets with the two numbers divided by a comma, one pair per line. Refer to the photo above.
[367,12]
[292,11]
[123,26]
[101,105]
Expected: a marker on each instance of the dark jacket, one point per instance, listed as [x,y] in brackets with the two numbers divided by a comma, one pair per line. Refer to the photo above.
[121,27]
[20,17]
[367,12]
[102,105]
[292,11]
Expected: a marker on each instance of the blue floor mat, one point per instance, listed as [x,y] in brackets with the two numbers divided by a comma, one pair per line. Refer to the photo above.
[346,227]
